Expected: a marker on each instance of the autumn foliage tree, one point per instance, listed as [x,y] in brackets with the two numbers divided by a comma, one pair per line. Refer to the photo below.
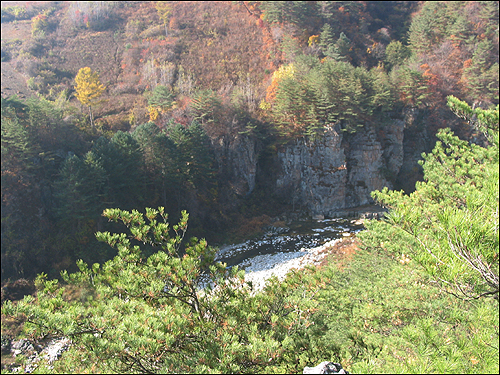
[88,90]
[164,12]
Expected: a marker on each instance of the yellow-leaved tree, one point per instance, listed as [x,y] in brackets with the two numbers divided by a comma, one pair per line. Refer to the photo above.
[88,90]
[164,12]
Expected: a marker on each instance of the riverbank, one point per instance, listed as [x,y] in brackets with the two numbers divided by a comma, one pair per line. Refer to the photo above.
[262,267]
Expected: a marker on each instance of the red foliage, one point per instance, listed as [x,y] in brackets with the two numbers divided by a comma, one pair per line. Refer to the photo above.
[144,53]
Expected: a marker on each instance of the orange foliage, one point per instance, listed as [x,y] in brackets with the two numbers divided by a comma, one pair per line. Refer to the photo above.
[467,63]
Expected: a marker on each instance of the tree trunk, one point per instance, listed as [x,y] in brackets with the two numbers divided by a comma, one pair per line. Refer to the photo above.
[92,126]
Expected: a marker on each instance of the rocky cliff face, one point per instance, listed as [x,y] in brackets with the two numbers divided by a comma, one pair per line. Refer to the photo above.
[340,171]
[322,176]
[237,160]
[313,174]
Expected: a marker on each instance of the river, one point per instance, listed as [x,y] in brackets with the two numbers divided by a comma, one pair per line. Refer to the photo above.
[280,244]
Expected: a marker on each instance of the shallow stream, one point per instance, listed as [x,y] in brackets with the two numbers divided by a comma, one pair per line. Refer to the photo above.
[290,239]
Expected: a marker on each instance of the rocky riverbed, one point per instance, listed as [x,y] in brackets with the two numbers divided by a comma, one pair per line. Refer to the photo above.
[281,249]
[262,267]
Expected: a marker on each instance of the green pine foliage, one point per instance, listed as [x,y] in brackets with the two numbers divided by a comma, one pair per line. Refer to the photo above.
[328,93]
[174,311]
[482,75]
[161,162]
[450,223]
[161,97]
[205,106]
[410,85]
[138,314]
[196,162]
[293,12]
[395,54]
[382,315]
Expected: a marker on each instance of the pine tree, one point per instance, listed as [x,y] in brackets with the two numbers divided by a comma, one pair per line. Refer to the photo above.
[341,48]
[176,310]
[196,161]
[88,90]
[161,160]
[205,106]
[450,223]
[482,75]
[161,97]
[326,37]
[121,160]
[395,54]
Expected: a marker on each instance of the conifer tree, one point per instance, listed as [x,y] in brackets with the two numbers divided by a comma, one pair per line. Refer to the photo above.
[449,225]
[395,54]
[326,37]
[177,310]
[161,162]
[341,48]
[88,90]
[205,106]
[482,75]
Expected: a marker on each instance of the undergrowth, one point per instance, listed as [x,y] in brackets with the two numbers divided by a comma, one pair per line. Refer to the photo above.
[376,313]
[381,315]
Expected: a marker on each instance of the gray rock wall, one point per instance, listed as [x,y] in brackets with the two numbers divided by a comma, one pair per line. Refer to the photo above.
[337,171]
[322,176]
[237,158]
[313,175]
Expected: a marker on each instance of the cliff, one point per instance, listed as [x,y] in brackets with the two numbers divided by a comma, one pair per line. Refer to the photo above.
[323,175]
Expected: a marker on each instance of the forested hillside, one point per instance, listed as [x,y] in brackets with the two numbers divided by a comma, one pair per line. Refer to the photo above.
[198,99]
[236,113]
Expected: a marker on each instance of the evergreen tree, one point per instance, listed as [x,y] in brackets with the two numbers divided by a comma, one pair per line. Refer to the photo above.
[450,223]
[161,97]
[423,29]
[326,37]
[482,74]
[395,54]
[294,12]
[17,144]
[310,95]
[382,96]
[161,162]
[342,48]
[126,171]
[410,85]
[196,161]
[175,311]
[81,189]
[205,106]
[121,159]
